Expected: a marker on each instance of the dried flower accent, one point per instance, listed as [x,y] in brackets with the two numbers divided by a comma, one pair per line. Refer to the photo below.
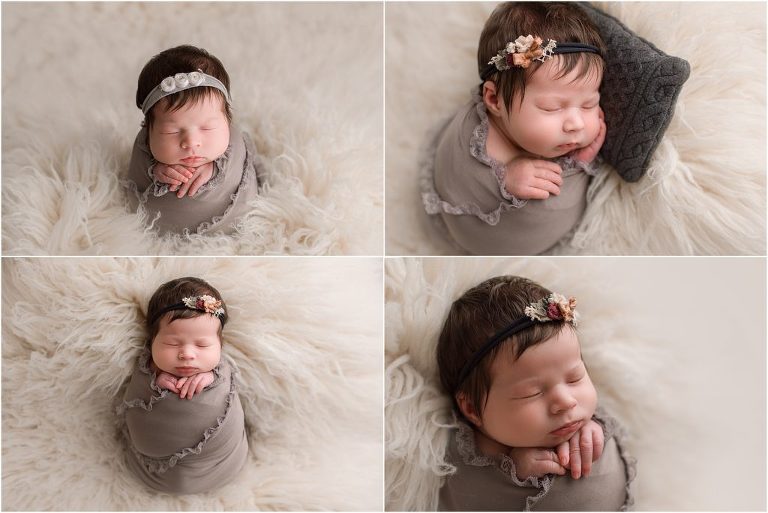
[204,303]
[554,307]
[521,52]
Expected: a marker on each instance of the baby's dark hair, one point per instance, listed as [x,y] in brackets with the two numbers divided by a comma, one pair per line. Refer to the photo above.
[474,318]
[561,21]
[181,59]
[172,292]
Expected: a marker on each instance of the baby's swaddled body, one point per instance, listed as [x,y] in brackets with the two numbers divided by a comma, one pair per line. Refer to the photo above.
[484,483]
[184,446]
[218,203]
[465,186]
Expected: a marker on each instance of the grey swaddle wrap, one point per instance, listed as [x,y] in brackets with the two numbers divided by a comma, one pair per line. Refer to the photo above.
[461,183]
[484,483]
[218,203]
[184,445]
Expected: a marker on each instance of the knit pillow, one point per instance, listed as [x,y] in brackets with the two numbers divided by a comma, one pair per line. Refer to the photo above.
[638,95]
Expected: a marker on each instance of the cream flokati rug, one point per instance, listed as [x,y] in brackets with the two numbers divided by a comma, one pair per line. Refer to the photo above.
[705,192]
[307,84]
[306,335]
[691,394]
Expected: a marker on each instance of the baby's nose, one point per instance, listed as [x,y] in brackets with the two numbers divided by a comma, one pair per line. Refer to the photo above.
[573,122]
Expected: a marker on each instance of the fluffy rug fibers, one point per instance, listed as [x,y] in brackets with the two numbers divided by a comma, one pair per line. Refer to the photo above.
[690,393]
[69,119]
[305,334]
[705,191]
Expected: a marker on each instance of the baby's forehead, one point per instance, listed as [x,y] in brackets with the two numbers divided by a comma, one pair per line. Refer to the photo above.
[210,105]
[549,79]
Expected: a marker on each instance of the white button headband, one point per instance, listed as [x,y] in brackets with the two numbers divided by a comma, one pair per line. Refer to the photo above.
[180,82]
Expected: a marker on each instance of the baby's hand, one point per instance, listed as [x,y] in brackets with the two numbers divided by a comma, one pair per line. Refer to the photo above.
[172,175]
[584,447]
[588,153]
[533,461]
[166,381]
[191,385]
[201,176]
[528,178]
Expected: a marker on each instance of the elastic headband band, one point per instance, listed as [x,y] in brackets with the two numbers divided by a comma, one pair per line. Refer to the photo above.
[180,82]
[526,49]
[554,307]
[208,304]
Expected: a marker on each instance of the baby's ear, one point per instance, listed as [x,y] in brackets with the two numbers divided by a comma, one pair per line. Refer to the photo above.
[468,409]
[491,98]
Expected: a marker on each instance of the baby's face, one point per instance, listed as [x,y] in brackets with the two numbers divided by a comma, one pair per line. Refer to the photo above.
[556,116]
[187,346]
[542,398]
[192,136]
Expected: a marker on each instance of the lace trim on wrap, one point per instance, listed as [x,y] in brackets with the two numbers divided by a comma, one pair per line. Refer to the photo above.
[465,444]
[612,428]
[161,465]
[250,162]
[245,181]
[434,204]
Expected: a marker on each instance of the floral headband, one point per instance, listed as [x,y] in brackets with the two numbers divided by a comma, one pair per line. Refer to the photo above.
[180,82]
[554,307]
[521,52]
[204,303]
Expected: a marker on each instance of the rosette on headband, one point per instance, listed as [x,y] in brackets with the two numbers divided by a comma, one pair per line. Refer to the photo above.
[521,53]
[180,82]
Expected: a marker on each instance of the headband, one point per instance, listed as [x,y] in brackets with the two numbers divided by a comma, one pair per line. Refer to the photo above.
[180,82]
[554,307]
[526,49]
[205,303]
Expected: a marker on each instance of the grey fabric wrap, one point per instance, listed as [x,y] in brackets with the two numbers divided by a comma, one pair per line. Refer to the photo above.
[638,95]
[184,446]
[483,483]
[488,223]
[216,206]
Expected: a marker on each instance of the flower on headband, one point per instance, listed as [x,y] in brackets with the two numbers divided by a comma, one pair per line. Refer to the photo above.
[195,78]
[205,303]
[522,51]
[181,80]
[554,307]
[168,84]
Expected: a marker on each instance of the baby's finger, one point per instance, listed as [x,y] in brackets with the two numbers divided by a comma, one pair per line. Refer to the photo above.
[562,453]
[598,444]
[183,190]
[547,174]
[546,185]
[585,444]
[173,173]
[548,467]
[575,456]
[546,164]
[196,184]
[530,192]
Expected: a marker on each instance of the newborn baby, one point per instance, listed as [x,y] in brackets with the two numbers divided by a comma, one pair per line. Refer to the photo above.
[528,408]
[508,175]
[191,170]
[183,421]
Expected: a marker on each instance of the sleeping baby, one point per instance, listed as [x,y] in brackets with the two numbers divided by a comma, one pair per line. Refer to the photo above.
[508,175]
[183,421]
[192,170]
[530,434]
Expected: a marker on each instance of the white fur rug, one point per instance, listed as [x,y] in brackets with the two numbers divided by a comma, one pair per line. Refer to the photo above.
[705,192]
[306,335]
[307,84]
[675,347]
